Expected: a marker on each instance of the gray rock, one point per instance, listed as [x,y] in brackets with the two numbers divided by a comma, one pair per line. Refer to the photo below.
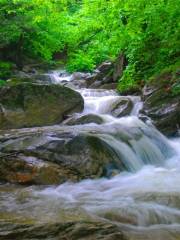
[79,83]
[27,105]
[91,79]
[96,84]
[119,66]
[109,86]
[44,78]
[161,105]
[21,75]
[80,76]
[79,152]
[77,156]
[108,72]
[105,67]
[122,107]
[85,119]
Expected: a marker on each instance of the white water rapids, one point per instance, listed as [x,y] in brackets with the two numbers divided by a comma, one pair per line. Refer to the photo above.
[144,201]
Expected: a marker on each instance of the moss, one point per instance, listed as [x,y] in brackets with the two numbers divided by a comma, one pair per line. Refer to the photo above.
[176,89]
[167,76]
[15,218]
[5,69]
[2,83]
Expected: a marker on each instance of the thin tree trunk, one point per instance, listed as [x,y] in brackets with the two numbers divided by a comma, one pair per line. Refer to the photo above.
[19,52]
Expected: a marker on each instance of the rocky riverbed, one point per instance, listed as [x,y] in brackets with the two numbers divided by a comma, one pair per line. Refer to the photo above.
[77,163]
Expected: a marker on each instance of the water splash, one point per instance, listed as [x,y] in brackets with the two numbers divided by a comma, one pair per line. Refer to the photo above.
[60,76]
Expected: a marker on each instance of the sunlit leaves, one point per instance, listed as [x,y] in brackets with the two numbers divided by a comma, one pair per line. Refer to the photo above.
[40,21]
[92,31]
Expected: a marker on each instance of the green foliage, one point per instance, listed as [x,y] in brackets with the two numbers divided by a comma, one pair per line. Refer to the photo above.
[127,81]
[176,89]
[169,79]
[146,31]
[79,61]
[2,83]
[5,69]
[35,27]
[93,31]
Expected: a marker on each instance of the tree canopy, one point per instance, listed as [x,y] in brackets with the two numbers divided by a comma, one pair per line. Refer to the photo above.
[92,31]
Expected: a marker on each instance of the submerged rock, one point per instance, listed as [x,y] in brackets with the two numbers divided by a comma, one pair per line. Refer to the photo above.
[27,105]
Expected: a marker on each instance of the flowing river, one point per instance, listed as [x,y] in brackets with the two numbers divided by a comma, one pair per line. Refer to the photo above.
[143,199]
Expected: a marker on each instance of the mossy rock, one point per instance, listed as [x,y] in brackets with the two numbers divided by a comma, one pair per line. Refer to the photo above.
[74,230]
[28,105]
[162,102]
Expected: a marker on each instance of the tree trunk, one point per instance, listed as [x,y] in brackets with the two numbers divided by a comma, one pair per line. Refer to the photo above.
[19,52]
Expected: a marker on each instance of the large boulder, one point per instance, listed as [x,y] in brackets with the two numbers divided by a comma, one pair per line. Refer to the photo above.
[91,151]
[162,103]
[30,158]
[28,104]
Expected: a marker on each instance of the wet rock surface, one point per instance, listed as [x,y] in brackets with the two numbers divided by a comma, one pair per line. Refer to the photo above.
[28,105]
[21,169]
[80,76]
[109,86]
[107,74]
[29,159]
[59,231]
[29,155]
[84,119]
[142,205]
[122,107]
[162,105]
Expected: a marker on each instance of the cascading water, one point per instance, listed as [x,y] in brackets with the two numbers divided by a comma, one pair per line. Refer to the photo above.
[60,76]
[143,199]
